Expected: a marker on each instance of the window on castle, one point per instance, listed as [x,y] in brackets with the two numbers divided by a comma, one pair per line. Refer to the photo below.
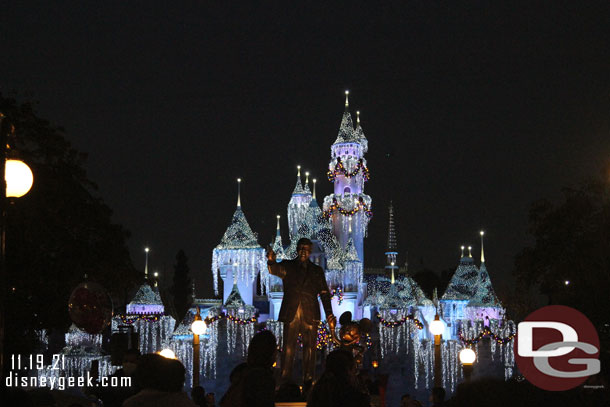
[347,190]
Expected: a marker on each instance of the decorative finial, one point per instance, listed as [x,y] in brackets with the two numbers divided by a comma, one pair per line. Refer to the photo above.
[299,171]
[239,192]
[146,250]
[358,117]
[314,188]
[469,251]
[462,247]
[346,99]
[307,177]
[350,225]
[278,222]
[482,251]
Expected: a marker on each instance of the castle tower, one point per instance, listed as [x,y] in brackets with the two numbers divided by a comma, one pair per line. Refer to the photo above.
[348,172]
[297,207]
[238,258]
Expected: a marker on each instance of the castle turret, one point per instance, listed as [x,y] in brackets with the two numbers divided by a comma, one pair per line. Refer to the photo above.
[238,258]
[348,172]
[299,202]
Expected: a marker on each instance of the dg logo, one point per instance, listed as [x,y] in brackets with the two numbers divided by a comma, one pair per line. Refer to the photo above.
[557,348]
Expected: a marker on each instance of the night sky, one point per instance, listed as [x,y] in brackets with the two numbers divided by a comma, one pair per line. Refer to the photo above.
[472,112]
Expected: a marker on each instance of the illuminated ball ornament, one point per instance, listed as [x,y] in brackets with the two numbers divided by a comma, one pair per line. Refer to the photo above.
[19,178]
[168,353]
[90,307]
[467,356]
[437,327]
[199,327]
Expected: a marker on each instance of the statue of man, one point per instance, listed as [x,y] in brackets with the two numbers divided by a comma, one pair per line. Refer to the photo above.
[300,312]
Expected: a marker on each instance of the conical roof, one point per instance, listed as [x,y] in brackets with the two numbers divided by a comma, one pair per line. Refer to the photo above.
[234,299]
[147,295]
[485,295]
[238,235]
[361,138]
[346,129]
[464,283]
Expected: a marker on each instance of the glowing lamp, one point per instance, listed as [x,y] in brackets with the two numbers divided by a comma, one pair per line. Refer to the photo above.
[19,178]
[437,327]
[467,356]
[375,364]
[199,327]
[168,353]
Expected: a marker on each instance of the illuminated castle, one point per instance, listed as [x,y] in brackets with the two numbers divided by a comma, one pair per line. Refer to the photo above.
[389,296]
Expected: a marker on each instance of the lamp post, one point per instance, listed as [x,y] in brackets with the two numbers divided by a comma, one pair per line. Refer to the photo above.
[467,358]
[16,180]
[436,328]
[198,327]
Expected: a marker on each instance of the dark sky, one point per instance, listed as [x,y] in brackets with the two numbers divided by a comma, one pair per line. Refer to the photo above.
[471,111]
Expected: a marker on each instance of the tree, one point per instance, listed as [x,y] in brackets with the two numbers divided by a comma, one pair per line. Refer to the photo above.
[57,233]
[570,258]
[181,288]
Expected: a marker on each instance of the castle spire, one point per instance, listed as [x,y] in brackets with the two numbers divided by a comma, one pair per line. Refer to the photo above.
[469,251]
[462,247]
[306,189]
[239,192]
[392,244]
[298,188]
[346,129]
[314,189]
[392,250]
[482,251]
[357,118]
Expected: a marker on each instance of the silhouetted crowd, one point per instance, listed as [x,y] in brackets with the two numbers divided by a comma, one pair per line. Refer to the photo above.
[159,382]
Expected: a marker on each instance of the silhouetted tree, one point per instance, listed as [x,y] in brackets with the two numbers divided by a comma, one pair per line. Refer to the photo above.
[181,288]
[56,233]
[570,259]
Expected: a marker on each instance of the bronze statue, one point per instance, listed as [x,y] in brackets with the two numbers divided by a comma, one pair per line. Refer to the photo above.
[300,311]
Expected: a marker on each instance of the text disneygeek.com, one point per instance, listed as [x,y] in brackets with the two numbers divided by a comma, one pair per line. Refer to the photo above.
[61,383]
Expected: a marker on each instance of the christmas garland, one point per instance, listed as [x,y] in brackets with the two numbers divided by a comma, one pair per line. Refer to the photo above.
[210,320]
[486,332]
[340,169]
[130,319]
[403,320]
[335,206]
[241,321]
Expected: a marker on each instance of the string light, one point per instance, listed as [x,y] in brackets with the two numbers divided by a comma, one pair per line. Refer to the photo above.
[400,322]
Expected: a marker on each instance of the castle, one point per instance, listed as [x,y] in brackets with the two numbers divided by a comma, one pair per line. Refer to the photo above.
[399,309]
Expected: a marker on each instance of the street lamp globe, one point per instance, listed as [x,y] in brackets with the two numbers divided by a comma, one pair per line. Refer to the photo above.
[19,178]
[199,327]
[437,327]
[168,353]
[467,356]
